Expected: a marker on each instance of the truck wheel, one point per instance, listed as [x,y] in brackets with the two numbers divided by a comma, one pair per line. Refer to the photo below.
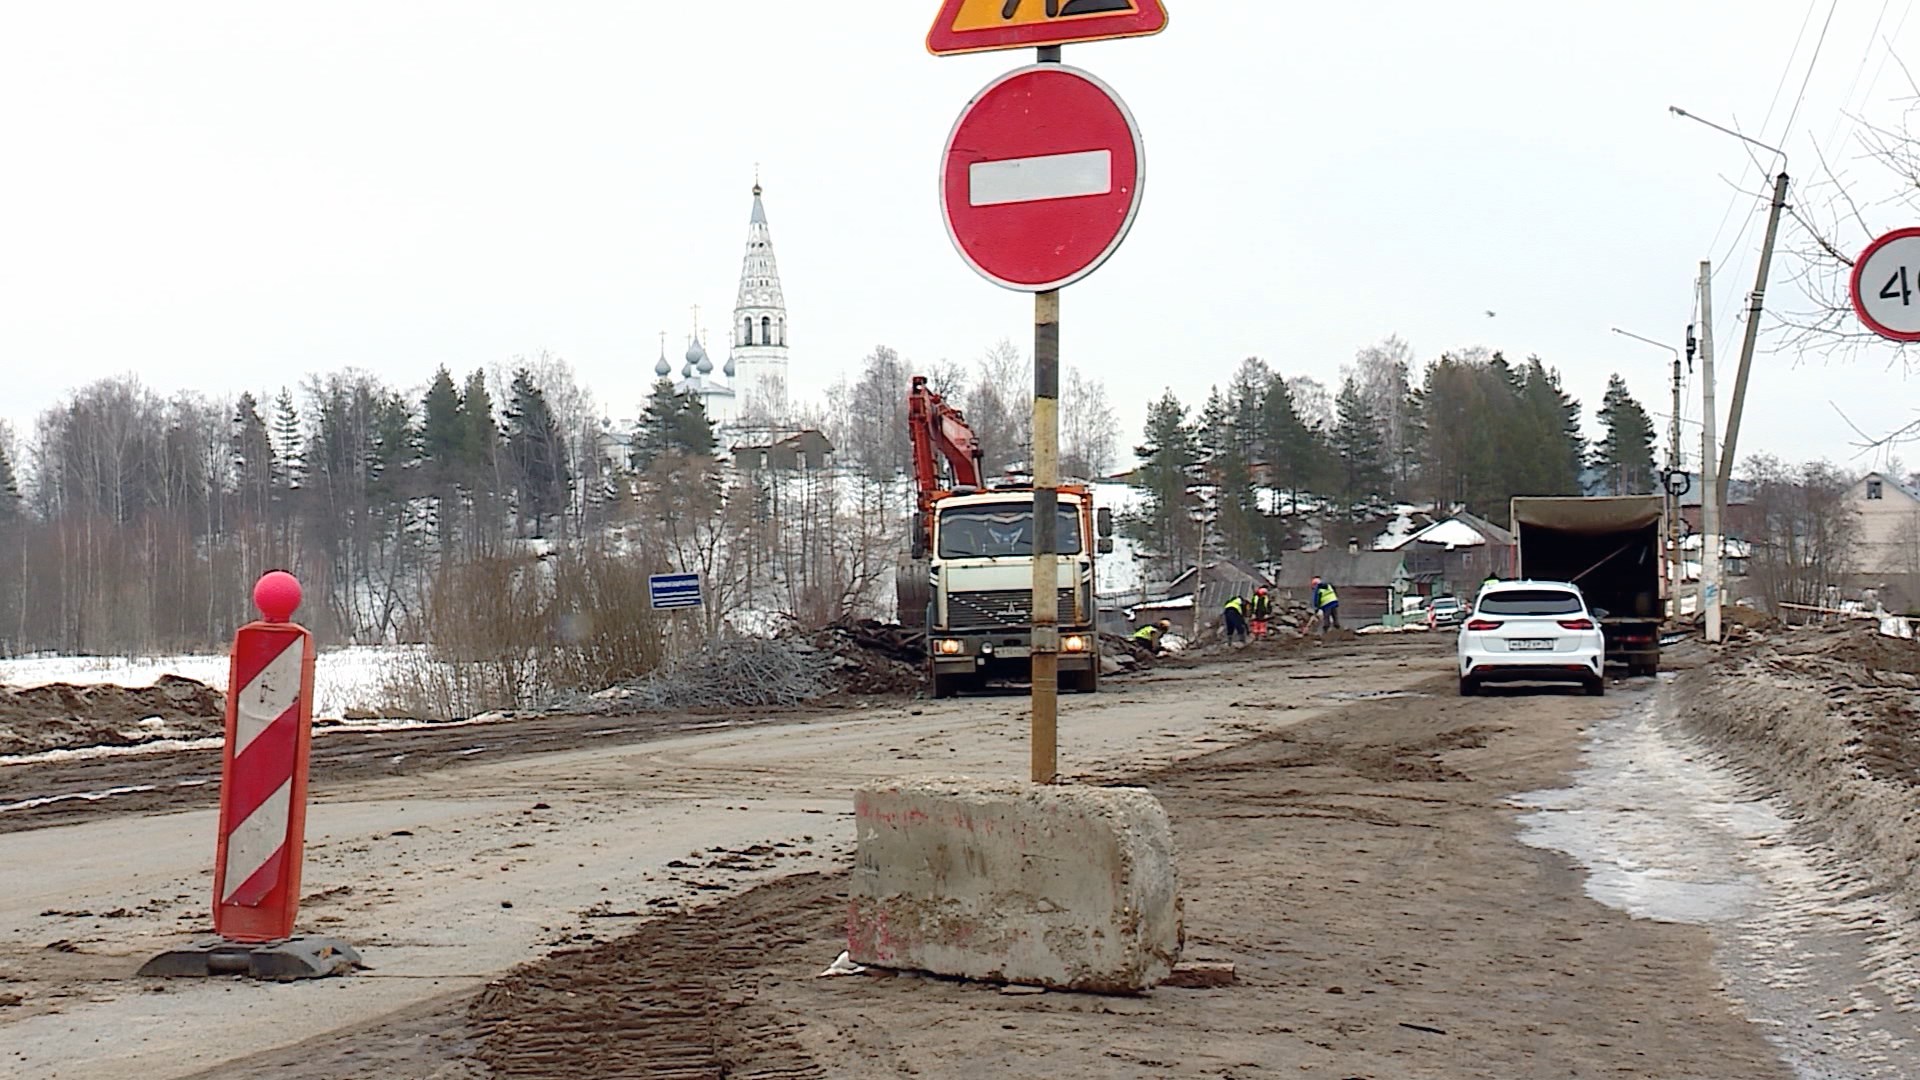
[945,686]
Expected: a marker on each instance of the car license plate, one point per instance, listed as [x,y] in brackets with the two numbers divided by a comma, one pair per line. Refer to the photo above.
[1531,644]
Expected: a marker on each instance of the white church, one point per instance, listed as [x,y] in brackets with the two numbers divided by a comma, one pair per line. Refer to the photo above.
[750,389]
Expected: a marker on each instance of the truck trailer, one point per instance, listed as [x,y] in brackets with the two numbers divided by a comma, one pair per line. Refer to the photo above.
[1611,549]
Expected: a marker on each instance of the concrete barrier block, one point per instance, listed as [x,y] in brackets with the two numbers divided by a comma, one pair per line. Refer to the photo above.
[1066,887]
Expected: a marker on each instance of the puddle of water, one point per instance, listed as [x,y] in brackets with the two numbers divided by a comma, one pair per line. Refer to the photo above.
[1667,834]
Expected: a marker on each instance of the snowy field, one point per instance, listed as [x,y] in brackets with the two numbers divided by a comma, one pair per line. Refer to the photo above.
[343,679]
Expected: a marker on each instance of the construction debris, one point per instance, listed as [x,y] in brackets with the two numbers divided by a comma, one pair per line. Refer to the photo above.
[1201,975]
[862,659]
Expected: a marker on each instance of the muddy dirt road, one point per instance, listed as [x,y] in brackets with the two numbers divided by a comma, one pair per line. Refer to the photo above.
[507,841]
[1347,839]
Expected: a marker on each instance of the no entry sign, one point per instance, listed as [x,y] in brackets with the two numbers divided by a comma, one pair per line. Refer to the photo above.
[1886,285]
[1042,177]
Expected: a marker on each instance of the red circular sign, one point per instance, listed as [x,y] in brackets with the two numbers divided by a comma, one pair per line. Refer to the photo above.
[1042,177]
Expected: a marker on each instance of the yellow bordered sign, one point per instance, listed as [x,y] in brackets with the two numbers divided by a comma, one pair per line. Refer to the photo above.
[967,26]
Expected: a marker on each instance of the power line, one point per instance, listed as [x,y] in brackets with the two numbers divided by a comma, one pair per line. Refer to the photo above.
[1858,70]
[1811,64]
[1785,71]
[1734,315]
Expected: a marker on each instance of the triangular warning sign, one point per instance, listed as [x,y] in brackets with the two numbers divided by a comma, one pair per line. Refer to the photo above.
[965,26]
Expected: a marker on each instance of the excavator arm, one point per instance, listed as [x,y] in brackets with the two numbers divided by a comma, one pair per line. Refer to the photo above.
[939,431]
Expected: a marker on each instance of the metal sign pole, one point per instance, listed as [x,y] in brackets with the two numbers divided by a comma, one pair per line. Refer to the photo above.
[1044,657]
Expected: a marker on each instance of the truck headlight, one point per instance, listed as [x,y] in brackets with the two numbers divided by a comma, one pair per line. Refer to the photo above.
[949,647]
[1074,643]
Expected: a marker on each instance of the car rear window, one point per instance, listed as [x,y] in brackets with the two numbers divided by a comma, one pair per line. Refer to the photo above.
[1530,602]
[1445,604]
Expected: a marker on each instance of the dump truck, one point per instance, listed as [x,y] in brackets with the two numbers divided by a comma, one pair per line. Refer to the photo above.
[968,577]
[1611,547]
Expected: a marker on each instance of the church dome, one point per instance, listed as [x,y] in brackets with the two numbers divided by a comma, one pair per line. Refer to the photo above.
[697,353]
[663,369]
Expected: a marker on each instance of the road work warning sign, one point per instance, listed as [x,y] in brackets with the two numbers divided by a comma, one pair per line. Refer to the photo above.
[981,25]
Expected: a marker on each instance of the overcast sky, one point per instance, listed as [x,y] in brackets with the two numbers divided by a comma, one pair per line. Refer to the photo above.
[228,196]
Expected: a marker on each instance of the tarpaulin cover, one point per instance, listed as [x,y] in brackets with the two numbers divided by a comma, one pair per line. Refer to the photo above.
[1589,516]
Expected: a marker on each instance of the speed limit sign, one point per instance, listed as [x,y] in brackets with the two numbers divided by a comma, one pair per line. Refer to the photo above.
[1886,285]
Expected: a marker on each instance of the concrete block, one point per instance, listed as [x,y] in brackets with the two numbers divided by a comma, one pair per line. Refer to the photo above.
[1072,888]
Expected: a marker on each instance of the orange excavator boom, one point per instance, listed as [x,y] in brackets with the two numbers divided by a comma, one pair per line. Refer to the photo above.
[940,432]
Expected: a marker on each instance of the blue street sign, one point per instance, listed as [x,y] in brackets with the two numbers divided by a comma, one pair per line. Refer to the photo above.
[669,591]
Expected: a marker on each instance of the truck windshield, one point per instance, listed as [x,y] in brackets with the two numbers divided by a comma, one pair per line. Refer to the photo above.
[981,532]
[1530,602]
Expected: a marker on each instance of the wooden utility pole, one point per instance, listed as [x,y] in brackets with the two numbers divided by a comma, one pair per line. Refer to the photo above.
[1756,304]
[1676,462]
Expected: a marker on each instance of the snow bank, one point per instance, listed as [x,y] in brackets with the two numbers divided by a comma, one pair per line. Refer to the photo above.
[343,679]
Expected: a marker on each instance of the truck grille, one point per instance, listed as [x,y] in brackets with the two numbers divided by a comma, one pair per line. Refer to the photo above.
[1000,607]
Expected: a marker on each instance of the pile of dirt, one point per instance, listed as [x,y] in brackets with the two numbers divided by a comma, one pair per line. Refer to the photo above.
[872,659]
[1829,720]
[60,716]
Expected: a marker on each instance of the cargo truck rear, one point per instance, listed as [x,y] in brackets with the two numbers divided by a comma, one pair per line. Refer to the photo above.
[1611,549]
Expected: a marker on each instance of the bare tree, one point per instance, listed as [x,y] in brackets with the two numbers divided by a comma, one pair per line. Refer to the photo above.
[1382,374]
[1088,428]
[1804,534]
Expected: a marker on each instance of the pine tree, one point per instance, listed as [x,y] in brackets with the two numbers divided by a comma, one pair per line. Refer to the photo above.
[288,451]
[480,448]
[254,464]
[1291,447]
[1625,455]
[1168,457]
[1555,417]
[672,426]
[443,431]
[392,452]
[1359,445]
[443,436]
[535,448]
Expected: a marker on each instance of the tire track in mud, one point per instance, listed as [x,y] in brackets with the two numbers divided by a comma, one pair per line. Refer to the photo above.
[672,1001]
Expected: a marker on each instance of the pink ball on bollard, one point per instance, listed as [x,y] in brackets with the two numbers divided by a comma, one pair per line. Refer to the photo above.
[277,594]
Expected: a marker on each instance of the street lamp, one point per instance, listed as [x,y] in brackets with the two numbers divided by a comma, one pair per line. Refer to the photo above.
[1680,112]
[1673,451]
[1673,466]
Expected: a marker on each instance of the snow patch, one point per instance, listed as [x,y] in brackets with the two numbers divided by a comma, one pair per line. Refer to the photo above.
[343,679]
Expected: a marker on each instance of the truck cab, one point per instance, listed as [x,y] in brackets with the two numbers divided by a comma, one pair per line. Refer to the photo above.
[980,578]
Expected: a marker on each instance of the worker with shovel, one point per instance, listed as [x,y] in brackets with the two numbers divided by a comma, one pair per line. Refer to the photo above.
[1262,612]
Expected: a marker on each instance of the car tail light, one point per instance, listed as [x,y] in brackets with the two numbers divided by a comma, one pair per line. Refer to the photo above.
[1483,624]
[1577,624]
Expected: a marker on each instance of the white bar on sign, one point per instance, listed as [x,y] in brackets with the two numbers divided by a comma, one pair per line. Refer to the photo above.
[1031,179]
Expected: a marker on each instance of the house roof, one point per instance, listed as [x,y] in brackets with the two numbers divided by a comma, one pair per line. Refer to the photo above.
[1460,530]
[771,440]
[1899,486]
[1364,569]
[1495,535]
[1245,569]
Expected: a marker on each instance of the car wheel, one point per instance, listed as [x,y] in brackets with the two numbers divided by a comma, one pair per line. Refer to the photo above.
[1468,687]
[1596,686]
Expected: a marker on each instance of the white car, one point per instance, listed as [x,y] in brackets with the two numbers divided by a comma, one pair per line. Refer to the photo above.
[1532,631]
